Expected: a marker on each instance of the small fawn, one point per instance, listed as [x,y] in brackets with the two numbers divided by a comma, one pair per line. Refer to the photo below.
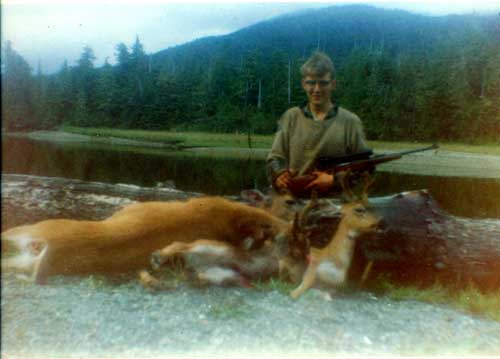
[329,265]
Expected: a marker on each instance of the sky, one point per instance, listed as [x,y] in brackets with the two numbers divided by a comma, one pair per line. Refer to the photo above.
[52,31]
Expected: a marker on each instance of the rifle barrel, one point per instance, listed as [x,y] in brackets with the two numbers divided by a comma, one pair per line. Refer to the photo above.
[379,159]
[364,159]
[434,146]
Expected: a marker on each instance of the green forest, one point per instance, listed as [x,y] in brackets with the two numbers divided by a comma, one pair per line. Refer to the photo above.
[408,77]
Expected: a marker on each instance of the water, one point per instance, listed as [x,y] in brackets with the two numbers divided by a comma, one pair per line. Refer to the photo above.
[468,197]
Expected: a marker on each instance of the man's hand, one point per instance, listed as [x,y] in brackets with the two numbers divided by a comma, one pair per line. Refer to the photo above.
[323,182]
[283,180]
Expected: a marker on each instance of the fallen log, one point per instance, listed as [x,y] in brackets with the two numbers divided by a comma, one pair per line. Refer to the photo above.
[420,244]
[29,199]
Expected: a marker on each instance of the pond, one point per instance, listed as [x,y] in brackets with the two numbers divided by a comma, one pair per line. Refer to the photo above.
[218,175]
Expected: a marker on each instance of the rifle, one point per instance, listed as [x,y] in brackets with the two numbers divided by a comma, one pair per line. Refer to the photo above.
[357,162]
[363,160]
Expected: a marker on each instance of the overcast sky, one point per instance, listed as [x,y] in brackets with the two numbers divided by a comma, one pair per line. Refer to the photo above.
[54,30]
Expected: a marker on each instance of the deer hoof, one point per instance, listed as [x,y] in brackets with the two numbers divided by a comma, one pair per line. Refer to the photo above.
[294,294]
[156,260]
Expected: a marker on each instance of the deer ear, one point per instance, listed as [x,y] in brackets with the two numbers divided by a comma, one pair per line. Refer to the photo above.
[255,198]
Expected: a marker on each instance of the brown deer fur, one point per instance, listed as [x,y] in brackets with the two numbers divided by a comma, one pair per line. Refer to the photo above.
[126,240]
[329,265]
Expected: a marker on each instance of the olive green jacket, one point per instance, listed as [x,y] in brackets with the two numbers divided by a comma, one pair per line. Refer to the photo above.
[301,139]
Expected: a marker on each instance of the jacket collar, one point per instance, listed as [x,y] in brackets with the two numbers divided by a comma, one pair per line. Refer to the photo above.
[332,113]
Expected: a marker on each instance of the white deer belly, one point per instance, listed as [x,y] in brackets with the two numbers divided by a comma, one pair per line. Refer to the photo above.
[329,274]
[207,256]
[209,250]
[218,275]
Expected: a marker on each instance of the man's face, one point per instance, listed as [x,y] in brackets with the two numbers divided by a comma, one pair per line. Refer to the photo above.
[318,89]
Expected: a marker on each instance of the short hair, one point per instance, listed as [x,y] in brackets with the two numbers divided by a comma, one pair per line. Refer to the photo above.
[318,64]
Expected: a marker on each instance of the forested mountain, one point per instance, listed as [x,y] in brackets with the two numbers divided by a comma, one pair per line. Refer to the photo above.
[407,76]
[336,30]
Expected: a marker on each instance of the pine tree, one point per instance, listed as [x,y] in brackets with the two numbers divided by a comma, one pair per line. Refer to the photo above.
[409,73]
[278,85]
[65,98]
[17,91]
[39,97]
[487,124]
[108,108]
[86,84]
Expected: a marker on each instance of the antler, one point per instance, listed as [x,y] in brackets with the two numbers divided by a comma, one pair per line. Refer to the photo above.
[348,194]
[368,182]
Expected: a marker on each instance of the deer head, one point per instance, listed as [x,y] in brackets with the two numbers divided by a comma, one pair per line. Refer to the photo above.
[357,213]
[358,218]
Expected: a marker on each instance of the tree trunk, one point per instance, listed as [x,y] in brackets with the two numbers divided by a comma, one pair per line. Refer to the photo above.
[420,243]
[289,80]
[259,98]
[29,199]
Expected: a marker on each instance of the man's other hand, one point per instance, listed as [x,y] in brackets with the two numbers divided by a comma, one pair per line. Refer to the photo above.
[323,182]
[283,180]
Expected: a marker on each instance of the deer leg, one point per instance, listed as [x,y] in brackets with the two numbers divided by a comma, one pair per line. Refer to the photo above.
[148,281]
[206,250]
[307,281]
[24,262]
[282,268]
[42,267]
[158,258]
[366,272]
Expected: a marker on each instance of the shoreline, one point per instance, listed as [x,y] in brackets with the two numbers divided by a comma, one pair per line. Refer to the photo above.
[443,163]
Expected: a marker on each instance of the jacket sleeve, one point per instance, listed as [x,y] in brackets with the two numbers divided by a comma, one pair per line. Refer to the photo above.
[357,139]
[278,158]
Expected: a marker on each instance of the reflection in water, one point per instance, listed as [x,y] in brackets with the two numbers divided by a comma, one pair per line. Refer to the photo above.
[469,197]
[190,173]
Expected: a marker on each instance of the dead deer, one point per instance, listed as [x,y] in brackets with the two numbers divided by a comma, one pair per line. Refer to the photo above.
[329,265]
[220,263]
[126,240]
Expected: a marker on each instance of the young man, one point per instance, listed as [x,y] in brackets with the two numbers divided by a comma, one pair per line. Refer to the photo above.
[320,128]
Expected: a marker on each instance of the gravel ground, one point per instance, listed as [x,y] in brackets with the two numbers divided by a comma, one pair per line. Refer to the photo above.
[89,317]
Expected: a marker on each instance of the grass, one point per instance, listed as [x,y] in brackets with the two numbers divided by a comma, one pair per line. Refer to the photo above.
[273,284]
[186,139]
[239,140]
[469,300]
